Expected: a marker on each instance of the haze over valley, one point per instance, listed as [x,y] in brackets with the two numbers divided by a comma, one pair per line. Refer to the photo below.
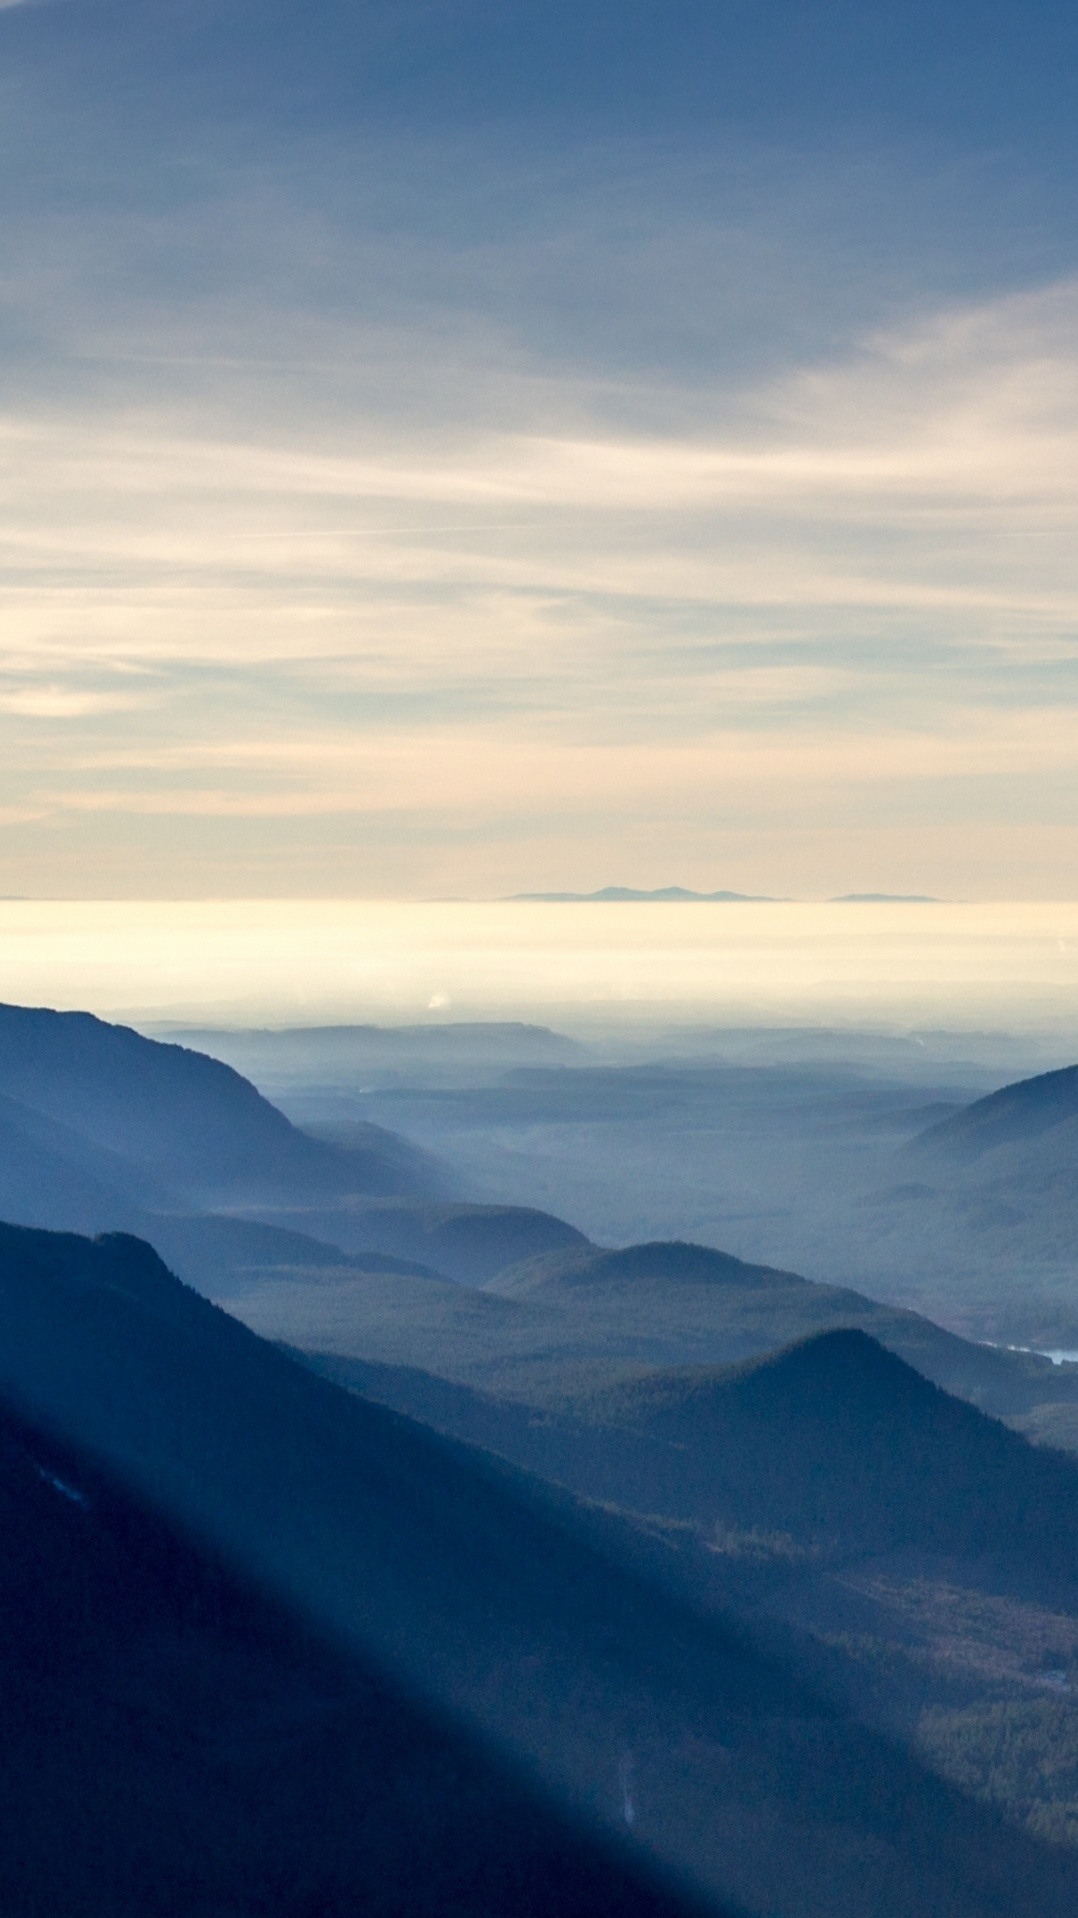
[828,1502]
[538,959]
[824,1150]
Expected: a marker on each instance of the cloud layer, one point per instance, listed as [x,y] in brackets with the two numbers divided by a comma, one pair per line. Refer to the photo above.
[384,512]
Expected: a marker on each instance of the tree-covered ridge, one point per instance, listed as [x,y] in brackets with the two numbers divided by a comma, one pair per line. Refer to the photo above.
[176,1741]
[529,1617]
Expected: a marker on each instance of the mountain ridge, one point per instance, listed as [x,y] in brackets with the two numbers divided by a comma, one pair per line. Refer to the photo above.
[678,1260]
[660,895]
[187,1120]
[833,1441]
[262,1770]
[490,1592]
[1016,1113]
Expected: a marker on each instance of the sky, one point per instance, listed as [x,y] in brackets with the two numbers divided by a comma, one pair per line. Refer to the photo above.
[452,448]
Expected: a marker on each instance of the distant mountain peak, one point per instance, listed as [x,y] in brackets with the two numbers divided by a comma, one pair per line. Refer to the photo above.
[834,1369]
[840,1358]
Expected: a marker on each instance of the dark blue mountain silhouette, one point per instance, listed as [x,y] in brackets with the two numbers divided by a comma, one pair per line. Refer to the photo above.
[492,1596]
[177,1742]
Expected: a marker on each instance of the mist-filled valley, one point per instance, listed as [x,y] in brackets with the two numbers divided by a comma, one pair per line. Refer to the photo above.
[538,959]
[808,1148]
[537,1439]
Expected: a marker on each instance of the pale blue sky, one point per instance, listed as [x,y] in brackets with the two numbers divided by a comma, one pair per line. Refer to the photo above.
[457,448]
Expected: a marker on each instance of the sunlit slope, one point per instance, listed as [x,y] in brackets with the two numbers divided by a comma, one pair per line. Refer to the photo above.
[175,1741]
[483,1591]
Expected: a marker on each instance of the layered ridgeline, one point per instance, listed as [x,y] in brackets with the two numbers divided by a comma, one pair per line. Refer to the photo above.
[987,1196]
[476,1588]
[287,1247]
[465,1242]
[176,1741]
[101,1128]
[299,1062]
[138,1120]
[927,1551]
[834,1443]
[346,1243]
[541,1329]
[803,1163]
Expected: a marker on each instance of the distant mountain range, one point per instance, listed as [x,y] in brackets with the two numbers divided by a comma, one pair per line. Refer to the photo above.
[661,895]
[326,1057]
[672,894]
[101,1128]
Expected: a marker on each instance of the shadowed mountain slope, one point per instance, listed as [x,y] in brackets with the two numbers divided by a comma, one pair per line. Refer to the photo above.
[834,1441]
[175,1742]
[483,1590]
[185,1122]
[101,1129]
[1014,1115]
[838,1439]
[52,1176]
